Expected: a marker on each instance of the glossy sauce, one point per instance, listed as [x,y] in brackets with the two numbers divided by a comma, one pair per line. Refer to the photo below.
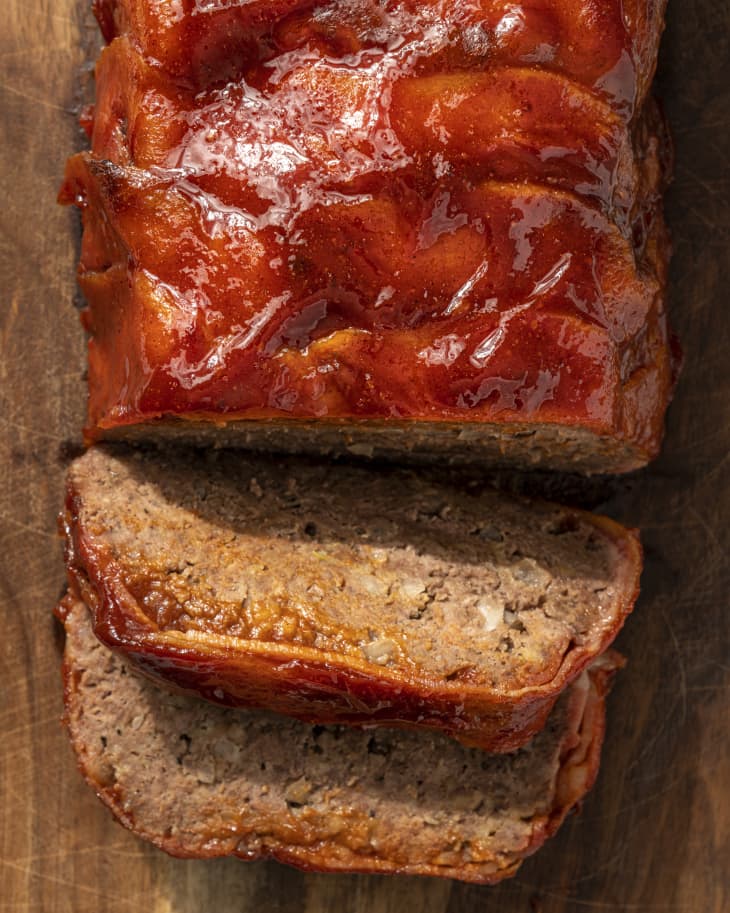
[372,210]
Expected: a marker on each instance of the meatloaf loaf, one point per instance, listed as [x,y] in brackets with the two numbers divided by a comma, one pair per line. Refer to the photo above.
[343,594]
[203,781]
[426,228]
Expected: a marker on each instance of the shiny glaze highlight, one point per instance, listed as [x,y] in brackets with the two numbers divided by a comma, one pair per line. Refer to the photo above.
[433,211]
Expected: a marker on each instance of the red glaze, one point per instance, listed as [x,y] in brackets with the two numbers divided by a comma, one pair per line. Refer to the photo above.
[403,210]
[608,45]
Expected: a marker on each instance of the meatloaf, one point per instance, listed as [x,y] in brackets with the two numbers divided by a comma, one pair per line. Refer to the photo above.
[340,594]
[203,781]
[426,228]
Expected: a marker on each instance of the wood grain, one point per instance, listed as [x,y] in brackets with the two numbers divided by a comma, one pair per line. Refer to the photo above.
[655,833]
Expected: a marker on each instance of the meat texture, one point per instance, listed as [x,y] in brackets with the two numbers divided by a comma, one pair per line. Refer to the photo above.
[203,781]
[339,594]
[388,227]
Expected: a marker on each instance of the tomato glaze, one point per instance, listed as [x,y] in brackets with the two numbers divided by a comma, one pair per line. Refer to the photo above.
[369,210]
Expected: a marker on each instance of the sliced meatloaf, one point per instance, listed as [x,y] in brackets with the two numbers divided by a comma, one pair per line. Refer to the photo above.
[409,229]
[203,781]
[342,594]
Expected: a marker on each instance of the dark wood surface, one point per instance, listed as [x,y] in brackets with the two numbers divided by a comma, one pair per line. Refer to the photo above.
[654,835]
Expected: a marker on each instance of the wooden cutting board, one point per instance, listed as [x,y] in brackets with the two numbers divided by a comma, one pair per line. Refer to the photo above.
[654,835]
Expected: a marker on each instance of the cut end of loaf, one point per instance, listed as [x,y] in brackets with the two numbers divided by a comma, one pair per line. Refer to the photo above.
[518,446]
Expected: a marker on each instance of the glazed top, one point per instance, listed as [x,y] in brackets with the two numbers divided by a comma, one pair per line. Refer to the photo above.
[359,209]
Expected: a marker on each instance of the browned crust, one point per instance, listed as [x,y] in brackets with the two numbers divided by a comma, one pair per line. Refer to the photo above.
[579,754]
[320,686]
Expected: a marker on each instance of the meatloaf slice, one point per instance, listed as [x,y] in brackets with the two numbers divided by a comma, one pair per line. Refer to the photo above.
[340,594]
[203,781]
